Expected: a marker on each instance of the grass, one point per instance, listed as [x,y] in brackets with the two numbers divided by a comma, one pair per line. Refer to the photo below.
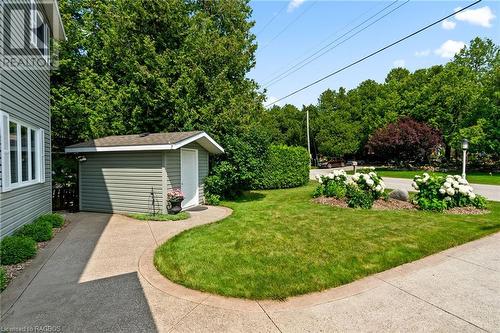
[160,217]
[278,244]
[474,177]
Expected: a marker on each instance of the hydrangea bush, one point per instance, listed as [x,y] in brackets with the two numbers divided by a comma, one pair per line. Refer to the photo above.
[439,193]
[360,189]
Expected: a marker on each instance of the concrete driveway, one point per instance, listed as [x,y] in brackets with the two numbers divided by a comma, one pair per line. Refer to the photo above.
[97,275]
[492,192]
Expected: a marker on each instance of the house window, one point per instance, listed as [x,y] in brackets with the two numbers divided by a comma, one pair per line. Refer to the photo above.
[40,33]
[22,150]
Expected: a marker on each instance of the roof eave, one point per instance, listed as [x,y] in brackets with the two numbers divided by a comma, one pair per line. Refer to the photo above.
[54,16]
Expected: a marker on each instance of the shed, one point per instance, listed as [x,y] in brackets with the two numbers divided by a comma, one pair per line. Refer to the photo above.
[133,173]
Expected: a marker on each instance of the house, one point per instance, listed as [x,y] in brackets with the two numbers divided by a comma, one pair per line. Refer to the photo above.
[27,27]
[133,173]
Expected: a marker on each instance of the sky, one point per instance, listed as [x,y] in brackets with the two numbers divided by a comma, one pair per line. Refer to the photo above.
[336,33]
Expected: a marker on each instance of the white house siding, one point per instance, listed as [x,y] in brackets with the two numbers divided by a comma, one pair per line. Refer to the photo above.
[25,96]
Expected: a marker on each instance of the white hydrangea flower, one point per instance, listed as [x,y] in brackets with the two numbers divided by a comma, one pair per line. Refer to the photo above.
[371,168]
[447,185]
[369,182]
[450,191]
[447,198]
[414,185]
[472,195]
[442,190]
[378,188]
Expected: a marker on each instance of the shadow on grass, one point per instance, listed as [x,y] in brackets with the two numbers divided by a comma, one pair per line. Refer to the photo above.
[490,227]
[249,196]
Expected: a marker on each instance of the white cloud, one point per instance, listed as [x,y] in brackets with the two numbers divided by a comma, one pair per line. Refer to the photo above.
[448,25]
[270,100]
[423,53]
[399,63]
[294,4]
[481,16]
[449,48]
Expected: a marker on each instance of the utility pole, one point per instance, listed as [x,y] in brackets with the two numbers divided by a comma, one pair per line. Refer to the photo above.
[308,139]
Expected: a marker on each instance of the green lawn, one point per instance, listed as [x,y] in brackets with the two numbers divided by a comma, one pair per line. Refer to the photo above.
[278,244]
[160,217]
[474,177]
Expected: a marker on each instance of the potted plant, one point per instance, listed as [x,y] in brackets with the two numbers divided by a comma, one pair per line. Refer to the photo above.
[174,199]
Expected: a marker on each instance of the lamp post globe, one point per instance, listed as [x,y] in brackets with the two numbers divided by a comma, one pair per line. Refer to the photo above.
[465,144]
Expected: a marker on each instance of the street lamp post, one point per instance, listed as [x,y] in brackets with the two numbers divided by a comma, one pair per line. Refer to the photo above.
[465,146]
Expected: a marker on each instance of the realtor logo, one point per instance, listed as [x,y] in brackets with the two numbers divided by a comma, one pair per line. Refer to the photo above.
[26,40]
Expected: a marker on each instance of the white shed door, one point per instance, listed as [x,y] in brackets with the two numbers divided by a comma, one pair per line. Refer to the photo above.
[189,177]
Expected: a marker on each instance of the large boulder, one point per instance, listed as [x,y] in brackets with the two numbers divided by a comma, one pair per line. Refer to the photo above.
[401,195]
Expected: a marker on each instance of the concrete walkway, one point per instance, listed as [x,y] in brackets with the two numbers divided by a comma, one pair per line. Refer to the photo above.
[491,192]
[97,275]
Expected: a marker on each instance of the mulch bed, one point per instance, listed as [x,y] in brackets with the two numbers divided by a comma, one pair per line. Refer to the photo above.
[379,204]
[16,269]
[466,211]
[393,204]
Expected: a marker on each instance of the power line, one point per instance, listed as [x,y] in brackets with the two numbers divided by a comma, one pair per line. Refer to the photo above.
[374,53]
[295,68]
[272,75]
[287,26]
[272,19]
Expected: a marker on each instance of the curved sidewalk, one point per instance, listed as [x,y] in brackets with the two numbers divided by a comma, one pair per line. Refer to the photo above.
[99,276]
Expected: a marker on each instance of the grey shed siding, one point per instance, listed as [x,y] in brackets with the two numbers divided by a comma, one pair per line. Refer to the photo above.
[121,182]
[24,95]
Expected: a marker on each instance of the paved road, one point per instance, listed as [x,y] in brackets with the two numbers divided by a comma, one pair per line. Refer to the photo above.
[492,192]
[91,278]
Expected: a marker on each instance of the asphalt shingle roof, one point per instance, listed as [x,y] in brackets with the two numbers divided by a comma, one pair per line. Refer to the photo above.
[137,140]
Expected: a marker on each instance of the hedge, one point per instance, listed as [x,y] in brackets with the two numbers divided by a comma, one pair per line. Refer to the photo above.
[16,249]
[284,167]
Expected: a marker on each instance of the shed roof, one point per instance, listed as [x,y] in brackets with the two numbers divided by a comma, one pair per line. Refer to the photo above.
[146,141]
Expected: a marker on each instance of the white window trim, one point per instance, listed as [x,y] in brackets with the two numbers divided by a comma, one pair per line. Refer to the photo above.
[7,184]
[35,14]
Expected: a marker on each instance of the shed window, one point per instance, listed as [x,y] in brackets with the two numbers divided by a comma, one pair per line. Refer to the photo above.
[22,153]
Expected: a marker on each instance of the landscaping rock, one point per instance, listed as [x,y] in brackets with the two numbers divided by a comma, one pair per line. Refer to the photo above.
[400,195]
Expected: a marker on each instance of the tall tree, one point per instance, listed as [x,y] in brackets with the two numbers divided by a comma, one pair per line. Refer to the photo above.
[131,66]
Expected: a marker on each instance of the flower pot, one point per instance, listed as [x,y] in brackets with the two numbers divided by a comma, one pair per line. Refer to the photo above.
[174,206]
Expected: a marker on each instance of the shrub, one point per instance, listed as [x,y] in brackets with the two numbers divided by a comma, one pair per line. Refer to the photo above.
[55,220]
[16,249]
[358,198]
[368,181]
[440,193]
[332,185]
[212,199]
[40,231]
[237,169]
[4,280]
[406,140]
[360,189]
[284,167]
